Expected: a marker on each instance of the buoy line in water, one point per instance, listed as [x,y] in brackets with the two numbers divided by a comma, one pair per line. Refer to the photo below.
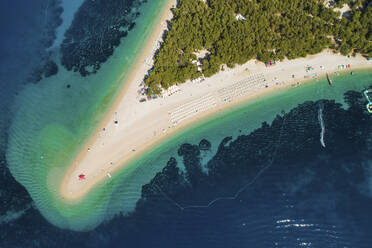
[250,183]
[236,195]
[369,104]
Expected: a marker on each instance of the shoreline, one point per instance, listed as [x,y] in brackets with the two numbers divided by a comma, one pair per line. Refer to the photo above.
[150,47]
[147,124]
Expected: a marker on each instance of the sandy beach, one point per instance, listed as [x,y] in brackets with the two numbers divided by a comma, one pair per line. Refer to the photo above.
[131,127]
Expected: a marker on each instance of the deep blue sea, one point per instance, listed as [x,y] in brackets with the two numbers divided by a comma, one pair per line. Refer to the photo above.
[275,186]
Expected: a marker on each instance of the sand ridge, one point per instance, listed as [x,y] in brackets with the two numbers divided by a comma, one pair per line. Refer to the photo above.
[139,68]
[140,126]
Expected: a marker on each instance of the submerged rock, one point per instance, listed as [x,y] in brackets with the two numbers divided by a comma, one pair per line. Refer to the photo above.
[275,179]
[205,145]
[50,68]
[96,30]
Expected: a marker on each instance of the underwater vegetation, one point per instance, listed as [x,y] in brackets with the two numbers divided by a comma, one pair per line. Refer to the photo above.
[277,181]
[46,66]
[96,30]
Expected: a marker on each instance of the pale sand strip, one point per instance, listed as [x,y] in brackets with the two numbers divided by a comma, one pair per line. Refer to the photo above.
[142,125]
[136,75]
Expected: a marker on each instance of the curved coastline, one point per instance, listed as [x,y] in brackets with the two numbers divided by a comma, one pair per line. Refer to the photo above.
[148,51]
[73,189]
[52,121]
[75,211]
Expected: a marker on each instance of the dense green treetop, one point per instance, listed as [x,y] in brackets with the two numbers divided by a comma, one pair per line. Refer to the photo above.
[273,30]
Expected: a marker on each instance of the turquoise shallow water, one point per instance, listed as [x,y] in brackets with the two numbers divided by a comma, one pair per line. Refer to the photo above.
[47,131]
[51,121]
[246,117]
[127,184]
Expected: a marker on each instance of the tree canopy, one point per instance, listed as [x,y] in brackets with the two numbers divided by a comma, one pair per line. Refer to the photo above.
[272,30]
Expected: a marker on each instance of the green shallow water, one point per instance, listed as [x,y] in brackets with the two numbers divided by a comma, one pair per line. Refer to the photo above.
[123,191]
[51,122]
[241,119]
[249,116]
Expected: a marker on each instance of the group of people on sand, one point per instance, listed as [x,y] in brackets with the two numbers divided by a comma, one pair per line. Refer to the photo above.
[82,177]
